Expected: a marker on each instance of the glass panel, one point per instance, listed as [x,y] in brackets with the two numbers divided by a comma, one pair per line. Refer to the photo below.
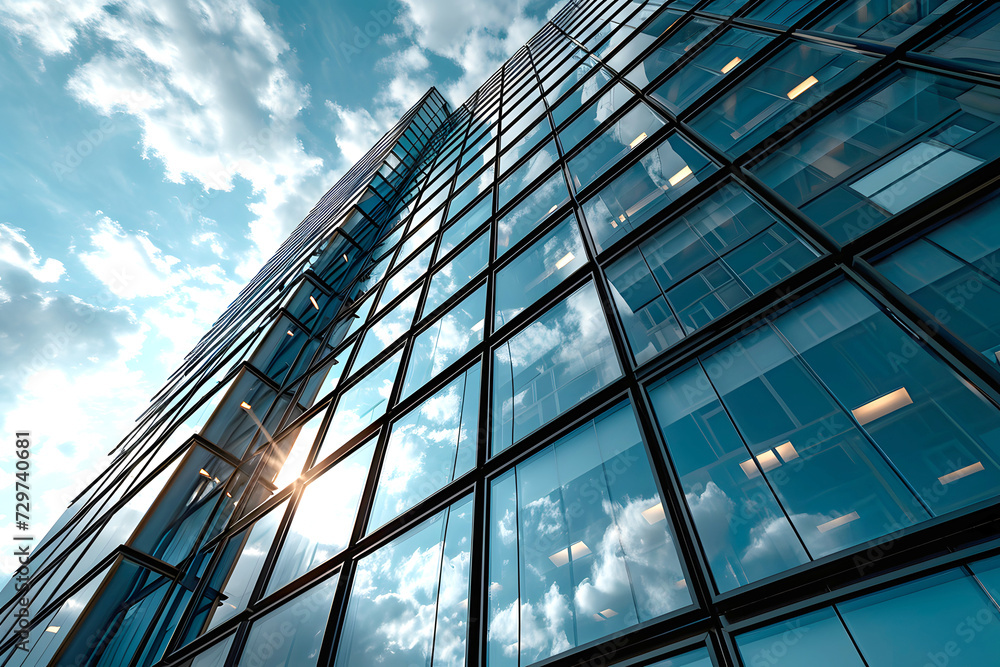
[639,40]
[213,656]
[295,448]
[954,273]
[945,617]
[429,447]
[700,266]
[409,604]
[335,370]
[697,658]
[914,134]
[530,212]
[361,405]
[585,524]
[784,12]
[550,366]
[662,175]
[523,146]
[454,334]
[458,273]
[580,96]
[386,331]
[398,282]
[237,572]
[521,178]
[598,112]
[316,533]
[293,633]
[668,53]
[726,54]
[813,640]
[461,228]
[612,145]
[542,266]
[783,88]
[974,42]
[889,22]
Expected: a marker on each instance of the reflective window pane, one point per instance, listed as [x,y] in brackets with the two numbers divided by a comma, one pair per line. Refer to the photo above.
[521,178]
[451,336]
[316,534]
[973,42]
[398,282]
[579,97]
[912,135]
[662,175]
[783,88]
[429,447]
[700,266]
[464,225]
[954,272]
[530,212]
[727,53]
[360,405]
[613,144]
[458,273]
[542,266]
[882,21]
[670,51]
[386,331]
[580,546]
[557,361]
[409,603]
[599,111]
[292,634]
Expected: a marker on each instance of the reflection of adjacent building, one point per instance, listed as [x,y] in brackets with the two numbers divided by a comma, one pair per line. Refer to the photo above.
[675,344]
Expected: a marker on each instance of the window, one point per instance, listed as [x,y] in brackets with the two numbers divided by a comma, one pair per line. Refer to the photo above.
[638,41]
[618,140]
[579,97]
[973,43]
[315,533]
[530,212]
[664,173]
[410,599]
[521,178]
[599,111]
[700,266]
[525,144]
[360,405]
[670,51]
[458,273]
[784,87]
[727,53]
[813,434]
[429,447]
[912,135]
[954,272]
[292,634]
[464,225]
[579,544]
[400,281]
[452,335]
[386,331]
[934,620]
[550,366]
[542,266]
[886,22]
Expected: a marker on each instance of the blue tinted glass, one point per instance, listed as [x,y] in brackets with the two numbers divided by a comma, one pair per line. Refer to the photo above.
[409,601]
[462,227]
[524,145]
[813,640]
[784,87]
[398,282]
[451,336]
[386,331]
[316,534]
[542,266]
[662,175]
[299,625]
[529,213]
[521,178]
[668,53]
[428,448]
[586,526]
[972,42]
[557,361]
[458,273]
[882,22]
[613,144]
[580,96]
[598,112]
[360,405]
[726,54]
[946,618]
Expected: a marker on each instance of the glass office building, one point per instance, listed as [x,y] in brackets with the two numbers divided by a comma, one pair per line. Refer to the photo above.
[678,343]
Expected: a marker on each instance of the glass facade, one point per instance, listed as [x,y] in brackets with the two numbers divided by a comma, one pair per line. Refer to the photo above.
[675,344]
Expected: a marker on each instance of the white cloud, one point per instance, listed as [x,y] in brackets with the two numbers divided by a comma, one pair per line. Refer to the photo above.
[16,251]
[210,88]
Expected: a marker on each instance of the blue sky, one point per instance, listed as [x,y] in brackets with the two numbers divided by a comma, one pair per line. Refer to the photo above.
[154,154]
